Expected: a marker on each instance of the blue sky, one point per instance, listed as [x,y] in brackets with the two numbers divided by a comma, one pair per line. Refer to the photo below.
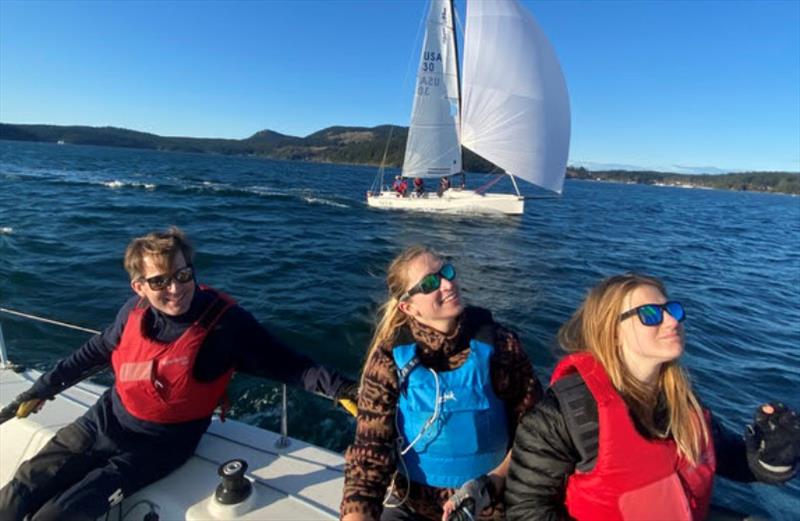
[657,84]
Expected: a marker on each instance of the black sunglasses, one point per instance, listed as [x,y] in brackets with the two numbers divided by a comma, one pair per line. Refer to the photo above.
[431,281]
[161,282]
[653,314]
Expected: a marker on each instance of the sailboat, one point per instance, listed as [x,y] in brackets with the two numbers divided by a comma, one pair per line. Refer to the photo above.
[510,106]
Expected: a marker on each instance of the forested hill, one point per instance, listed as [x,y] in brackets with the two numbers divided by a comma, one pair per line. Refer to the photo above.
[365,146]
[353,145]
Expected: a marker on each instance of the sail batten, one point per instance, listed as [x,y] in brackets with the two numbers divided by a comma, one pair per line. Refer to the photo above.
[433,148]
[515,105]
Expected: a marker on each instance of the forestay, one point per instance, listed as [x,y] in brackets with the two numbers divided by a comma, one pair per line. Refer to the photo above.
[433,148]
[515,105]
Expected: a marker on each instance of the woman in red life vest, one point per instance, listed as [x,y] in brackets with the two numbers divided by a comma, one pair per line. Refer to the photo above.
[620,433]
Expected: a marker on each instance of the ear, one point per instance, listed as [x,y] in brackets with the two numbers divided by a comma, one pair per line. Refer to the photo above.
[407,308]
[137,286]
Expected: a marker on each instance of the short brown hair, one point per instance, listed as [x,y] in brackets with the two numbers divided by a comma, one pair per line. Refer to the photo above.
[161,246]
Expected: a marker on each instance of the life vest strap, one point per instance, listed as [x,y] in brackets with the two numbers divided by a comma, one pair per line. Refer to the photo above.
[403,372]
[580,415]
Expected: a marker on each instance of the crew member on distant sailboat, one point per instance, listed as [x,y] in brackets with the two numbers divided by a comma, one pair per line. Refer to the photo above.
[444,185]
[419,186]
[400,185]
[620,433]
[173,348]
[442,390]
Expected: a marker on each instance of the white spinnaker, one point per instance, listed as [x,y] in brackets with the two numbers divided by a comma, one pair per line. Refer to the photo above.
[433,148]
[515,103]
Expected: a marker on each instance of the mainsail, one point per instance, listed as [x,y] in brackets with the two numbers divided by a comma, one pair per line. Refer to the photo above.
[515,104]
[433,148]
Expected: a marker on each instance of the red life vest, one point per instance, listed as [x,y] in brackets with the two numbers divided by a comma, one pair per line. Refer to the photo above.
[154,380]
[633,478]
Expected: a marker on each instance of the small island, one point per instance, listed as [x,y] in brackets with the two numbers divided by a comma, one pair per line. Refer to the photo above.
[368,146]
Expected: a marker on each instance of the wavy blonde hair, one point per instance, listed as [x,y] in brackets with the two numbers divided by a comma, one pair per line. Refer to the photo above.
[390,318]
[594,328]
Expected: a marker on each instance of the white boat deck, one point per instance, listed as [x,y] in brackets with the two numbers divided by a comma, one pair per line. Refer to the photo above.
[298,482]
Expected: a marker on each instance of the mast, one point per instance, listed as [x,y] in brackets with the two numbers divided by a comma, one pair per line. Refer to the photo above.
[458,77]
[455,49]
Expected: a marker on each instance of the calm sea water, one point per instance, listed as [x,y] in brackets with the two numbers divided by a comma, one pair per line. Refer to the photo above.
[296,245]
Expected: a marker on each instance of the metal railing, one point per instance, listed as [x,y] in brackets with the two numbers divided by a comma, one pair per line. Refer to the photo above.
[5,363]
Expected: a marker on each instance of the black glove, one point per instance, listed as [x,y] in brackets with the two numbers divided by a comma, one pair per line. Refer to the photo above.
[26,403]
[773,443]
[473,496]
[346,397]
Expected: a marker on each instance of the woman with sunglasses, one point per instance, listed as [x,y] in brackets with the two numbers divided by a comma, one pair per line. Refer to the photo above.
[620,433]
[441,392]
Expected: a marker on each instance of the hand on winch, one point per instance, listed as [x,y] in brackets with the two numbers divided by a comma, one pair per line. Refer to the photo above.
[26,403]
[347,397]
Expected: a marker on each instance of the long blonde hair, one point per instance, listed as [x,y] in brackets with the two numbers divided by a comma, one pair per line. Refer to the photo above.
[594,328]
[390,318]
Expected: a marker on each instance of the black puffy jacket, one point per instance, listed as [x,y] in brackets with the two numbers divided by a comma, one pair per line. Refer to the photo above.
[545,455]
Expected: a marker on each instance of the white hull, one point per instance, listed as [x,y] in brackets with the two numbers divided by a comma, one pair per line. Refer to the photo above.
[300,481]
[456,201]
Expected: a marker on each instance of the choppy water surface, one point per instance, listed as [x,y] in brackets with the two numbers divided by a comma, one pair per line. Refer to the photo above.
[296,245]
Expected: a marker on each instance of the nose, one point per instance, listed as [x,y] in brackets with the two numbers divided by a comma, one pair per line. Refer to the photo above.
[446,284]
[669,320]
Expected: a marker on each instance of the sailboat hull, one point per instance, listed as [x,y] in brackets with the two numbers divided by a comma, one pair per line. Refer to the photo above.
[452,201]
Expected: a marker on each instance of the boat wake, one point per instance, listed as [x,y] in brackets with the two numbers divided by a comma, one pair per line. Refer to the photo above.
[128,184]
[303,194]
[328,202]
[177,185]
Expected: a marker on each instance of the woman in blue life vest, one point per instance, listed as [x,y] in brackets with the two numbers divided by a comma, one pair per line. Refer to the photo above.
[442,389]
[620,433]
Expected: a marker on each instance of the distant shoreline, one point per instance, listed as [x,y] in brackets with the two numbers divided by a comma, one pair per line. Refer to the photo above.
[365,146]
[684,186]
[768,182]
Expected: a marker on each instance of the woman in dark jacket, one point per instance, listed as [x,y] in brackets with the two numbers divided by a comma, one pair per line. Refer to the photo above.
[620,433]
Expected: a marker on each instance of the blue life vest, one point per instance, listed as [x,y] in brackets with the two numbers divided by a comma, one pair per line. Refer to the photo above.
[468,437]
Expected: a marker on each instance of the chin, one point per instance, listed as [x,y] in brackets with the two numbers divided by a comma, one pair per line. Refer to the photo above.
[672,353]
[173,310]
[454,307]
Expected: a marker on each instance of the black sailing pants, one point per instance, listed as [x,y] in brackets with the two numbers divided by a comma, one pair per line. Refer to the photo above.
[81,473]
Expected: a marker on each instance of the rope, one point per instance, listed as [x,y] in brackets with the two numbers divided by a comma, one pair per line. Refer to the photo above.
[48,321]
[488,185]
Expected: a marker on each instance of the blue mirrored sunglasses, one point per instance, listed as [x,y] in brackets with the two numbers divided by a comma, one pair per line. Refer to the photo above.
[653,314]
[431,281]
